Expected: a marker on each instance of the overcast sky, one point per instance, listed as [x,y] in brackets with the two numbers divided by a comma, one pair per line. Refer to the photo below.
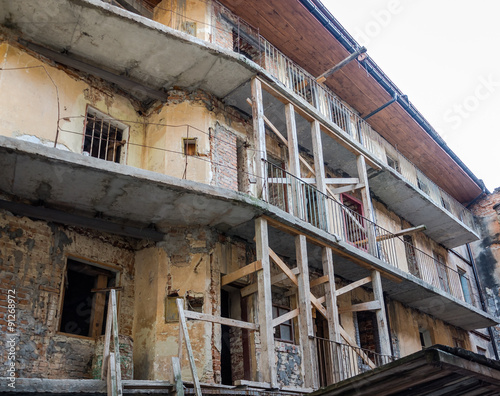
[445,55]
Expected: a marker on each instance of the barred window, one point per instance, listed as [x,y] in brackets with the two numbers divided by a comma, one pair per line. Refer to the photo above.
[103,137]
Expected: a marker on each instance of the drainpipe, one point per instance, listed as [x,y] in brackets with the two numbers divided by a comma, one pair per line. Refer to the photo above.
[483,304]
[381,107]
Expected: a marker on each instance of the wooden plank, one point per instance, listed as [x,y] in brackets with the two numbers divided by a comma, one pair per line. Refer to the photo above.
[192,365]
[107,343]
[253,384]
[366,306]
[330,296]
[283,266]
[176,369]
[353,285]
[112,386]
[305,319]
[250,289]
[342,180]
[294,161]
[383,328]
[285,317]
[349,188]
[265,305]
[259,135]
[116,342]
[406,231]
[98,304]
[319,281]
[220,320]
[240,273]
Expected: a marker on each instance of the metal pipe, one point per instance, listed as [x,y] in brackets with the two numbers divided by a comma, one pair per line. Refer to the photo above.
[381,107]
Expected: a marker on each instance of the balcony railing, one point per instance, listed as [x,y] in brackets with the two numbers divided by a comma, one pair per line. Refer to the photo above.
[246,40]
[304,201]
[338,362]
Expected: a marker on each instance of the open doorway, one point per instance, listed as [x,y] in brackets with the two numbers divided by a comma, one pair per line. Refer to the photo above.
[226,367]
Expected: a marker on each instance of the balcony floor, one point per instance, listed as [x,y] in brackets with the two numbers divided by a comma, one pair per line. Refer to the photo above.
[73,184]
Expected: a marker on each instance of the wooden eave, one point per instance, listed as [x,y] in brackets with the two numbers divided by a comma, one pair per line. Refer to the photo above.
[295,31]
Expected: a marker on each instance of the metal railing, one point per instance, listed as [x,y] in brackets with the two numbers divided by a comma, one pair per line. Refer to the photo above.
[303,200]
[338,362]
[304,85]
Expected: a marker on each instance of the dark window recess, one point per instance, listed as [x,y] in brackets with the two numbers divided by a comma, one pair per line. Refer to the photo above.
[190,146]
[103,139]
[284,331]
[423,186]
[84,310]
[445,204]
[442,272]
[195,304]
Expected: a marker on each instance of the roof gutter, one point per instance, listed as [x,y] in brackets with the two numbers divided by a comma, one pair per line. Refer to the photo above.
[324,16]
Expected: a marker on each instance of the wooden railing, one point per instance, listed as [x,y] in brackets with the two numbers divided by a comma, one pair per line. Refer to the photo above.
[111,369]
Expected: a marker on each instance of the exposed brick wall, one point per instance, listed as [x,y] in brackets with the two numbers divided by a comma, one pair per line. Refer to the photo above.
[224,158]
[32,260]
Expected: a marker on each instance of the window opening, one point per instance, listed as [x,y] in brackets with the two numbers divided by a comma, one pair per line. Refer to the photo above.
[425,338]
[103,138]
[354,223]
[423,185]
[190,146]
[84,308]
[284,331]
[411,256]
[464,283]
[393,163]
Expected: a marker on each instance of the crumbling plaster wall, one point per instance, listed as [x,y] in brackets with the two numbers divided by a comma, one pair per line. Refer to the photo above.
[33,256]
[486,252]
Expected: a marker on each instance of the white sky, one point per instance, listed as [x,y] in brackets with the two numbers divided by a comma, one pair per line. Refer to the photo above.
[445,55]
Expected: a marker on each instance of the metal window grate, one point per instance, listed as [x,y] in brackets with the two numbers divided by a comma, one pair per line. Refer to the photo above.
[103,139]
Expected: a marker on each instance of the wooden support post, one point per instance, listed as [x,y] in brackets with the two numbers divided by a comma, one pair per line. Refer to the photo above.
[383,328]
[259,134]
[319,167]
[306,326]
[114,310]
[192,365]
[367,205]
[265,305]
[331,296]
[294,164]
[176,369]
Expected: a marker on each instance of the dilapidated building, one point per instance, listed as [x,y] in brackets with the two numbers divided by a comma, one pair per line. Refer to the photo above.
[269,211]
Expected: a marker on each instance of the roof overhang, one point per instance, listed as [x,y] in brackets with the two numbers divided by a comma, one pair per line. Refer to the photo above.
[437,370]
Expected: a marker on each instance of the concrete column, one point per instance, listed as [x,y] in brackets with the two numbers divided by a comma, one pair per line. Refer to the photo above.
[305,319]
[267,365]
[259,134]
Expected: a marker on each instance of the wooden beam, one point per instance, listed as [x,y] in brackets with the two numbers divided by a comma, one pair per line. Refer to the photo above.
[293,231]
[313,117]
[98,303]
[340,65]
[330,295]
[265,306]
[342,180]
[240,273]
[116,342]
[383,327]
[250,289]
[353,285]
[319,281]
[285,317]
[352,187]
[220,320]
[294,161]
[366,306]
[176,369]
[283,267]
[184,329]
[259,135]
[305,319]
[407,231]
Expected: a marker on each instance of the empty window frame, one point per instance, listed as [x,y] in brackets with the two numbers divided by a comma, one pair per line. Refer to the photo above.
[284,331]
[422,185]
[393,163]
[354,222]
[411,256]
[425,338]
[190,146]
[465,285]
[83,305]
[104,137]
